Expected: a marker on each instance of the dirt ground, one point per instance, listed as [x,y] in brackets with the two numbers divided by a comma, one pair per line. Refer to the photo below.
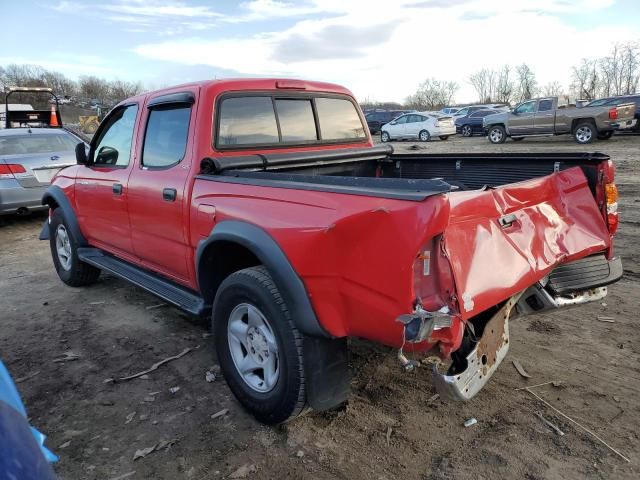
[391,427]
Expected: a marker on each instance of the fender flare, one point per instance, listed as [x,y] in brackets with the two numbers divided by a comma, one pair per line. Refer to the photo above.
[269,253]
[55,195]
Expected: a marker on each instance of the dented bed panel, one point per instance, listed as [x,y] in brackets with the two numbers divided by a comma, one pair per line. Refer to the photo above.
[502,241]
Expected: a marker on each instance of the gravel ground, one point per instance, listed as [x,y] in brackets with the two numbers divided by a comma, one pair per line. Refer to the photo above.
[391,427]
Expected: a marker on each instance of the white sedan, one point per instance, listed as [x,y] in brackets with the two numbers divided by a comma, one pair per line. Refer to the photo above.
[418,125]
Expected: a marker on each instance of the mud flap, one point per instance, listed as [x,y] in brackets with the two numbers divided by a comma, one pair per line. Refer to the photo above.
[482,361]
[326,365]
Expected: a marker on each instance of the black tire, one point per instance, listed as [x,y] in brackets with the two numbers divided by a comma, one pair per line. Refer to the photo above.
[467,131]
[517,139]
[585,132]
[385,137]
[424,136]
[497,134]
[76,273]
[287,399]
[605,135]
[444,137]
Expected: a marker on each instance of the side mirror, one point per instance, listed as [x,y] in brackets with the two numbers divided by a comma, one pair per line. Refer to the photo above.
[393,122]
[107,156]
[81,154]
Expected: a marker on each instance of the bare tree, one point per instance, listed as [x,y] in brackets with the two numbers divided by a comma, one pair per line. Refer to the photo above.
[527,84]
[433,94]
[585,79]
[482,83]
[552,89]
[630,71]
[93,88]
[119,90]
[505,87]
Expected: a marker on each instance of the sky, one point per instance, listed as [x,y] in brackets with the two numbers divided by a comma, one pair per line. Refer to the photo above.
[380,50]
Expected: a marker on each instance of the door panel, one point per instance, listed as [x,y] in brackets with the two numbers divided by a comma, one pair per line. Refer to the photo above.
[522,120]
[101,188]
[545,117]
[158,194]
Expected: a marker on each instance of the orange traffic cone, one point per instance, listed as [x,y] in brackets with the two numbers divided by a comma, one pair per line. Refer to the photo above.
[54,117]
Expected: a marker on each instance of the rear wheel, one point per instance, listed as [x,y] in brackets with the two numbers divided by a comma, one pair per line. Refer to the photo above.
[385,137]
[497,134]
[584,132]
[424,136]
[64,252]
[467,131]
[259,348]
[605,135]
[444,137]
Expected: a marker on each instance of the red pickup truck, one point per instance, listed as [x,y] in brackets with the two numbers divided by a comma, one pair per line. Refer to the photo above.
[264,204]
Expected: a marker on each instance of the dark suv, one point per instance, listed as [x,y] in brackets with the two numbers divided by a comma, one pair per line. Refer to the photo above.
[376,119]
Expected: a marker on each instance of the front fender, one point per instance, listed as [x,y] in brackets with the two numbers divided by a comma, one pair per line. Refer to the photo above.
[54,197]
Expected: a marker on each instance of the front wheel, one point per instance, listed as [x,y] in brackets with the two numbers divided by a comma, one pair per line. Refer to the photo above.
[64,252]
[444,137]
[467,131]
[385,137]
[259,348]
[584,132]
[497,134]
[424,136]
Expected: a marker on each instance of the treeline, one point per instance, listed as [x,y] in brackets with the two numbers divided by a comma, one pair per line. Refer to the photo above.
[87,87]
[615,74]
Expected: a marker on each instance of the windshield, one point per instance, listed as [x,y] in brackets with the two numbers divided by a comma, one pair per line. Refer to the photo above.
[33,144]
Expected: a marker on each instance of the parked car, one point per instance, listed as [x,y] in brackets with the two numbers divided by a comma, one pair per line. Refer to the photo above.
[471,124]
[272,212]
[29,159]
[377,118]
[543,117]
[449,110]
[418,126]
[634,124]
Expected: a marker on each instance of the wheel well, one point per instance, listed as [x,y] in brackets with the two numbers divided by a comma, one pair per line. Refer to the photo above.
[496,125]
[577,121]
[218,261]
[48,200]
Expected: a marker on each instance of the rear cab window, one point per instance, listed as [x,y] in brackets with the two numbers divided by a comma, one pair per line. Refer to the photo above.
[274,120]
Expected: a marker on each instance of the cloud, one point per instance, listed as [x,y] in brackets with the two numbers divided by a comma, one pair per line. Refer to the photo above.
[332,42]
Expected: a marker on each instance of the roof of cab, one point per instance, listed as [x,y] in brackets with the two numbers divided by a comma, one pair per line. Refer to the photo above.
[253,84]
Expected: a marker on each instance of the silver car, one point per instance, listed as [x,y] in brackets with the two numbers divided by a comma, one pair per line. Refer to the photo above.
[29,158]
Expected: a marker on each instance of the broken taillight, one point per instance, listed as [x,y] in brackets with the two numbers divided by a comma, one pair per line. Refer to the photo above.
[613,113]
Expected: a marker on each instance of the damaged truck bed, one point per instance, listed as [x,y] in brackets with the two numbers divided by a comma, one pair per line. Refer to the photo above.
[294,232]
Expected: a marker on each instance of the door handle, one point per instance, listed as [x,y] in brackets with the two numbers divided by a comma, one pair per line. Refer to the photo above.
[169,194]
[117,189]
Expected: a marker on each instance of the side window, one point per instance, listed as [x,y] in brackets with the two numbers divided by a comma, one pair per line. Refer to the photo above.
[113,148]
[165,140]
[545,105]
[246,121]
[463,112]
[296,120]
[528,107]
[338,119]
[402,119]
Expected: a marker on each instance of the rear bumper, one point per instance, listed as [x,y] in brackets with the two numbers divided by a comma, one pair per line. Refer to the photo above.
[442,131]
[580,282]
[14,197]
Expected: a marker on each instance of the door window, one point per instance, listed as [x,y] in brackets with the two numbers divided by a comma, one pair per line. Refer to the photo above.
[402,119]
[113,148]
[545,105]
[165,140]
[528,107]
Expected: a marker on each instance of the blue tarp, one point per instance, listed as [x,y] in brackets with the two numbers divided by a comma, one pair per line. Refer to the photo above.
[23,455]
